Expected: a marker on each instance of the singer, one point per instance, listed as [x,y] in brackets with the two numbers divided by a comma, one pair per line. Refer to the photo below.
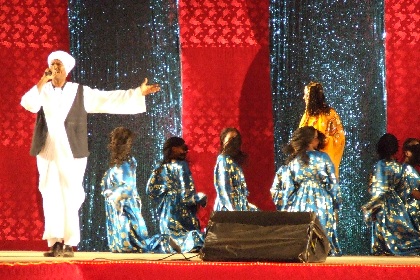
[60,143]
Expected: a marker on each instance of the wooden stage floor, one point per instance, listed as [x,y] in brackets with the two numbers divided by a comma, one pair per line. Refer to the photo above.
[36,256]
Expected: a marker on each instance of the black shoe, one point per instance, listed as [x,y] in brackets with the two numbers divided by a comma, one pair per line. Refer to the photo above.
[55,251]
[68,251]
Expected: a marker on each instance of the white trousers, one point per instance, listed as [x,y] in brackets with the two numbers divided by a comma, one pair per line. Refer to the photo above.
[61,186]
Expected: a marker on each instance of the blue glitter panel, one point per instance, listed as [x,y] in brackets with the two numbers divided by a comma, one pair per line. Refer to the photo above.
[341,45]
[116,45]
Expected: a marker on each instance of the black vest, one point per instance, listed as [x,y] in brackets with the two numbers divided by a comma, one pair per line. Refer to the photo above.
[75,124]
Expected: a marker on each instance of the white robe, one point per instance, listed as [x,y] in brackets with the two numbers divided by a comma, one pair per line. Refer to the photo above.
[60,174]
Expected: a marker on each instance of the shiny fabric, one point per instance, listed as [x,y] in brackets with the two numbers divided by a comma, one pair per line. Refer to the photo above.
[171,186]
[231,188]
[310,188]
[329,124]
[390,209]
[126,229]
[116,45]
[341,45]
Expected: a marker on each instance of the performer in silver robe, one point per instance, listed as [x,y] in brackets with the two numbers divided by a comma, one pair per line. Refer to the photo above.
[307,183]
[229,179]
[172,187]
[126,228]
[392,185]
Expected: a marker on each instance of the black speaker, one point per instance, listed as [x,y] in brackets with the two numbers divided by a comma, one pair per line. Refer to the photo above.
[265,236]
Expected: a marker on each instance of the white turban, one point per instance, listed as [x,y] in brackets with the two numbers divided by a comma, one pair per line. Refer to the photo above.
[67,60]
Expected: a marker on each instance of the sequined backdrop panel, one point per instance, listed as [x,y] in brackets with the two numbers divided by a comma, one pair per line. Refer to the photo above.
[29,31]
[341,45]
[403,67]
[116,45]
[225,79]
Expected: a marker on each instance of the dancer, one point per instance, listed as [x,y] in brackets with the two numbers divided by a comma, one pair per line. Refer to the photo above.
[407,150]
[60,143]
[307,183]
[411,161]
[391,186]
[126,228]
[171,186]
[326,120]
[229,179]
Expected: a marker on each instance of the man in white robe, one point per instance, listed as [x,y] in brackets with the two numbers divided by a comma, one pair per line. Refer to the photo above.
[60,159]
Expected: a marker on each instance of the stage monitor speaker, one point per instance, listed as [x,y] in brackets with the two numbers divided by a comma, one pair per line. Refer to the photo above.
[265,236]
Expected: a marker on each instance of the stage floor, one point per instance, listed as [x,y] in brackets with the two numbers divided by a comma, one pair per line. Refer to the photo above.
[36,256]
[24,265]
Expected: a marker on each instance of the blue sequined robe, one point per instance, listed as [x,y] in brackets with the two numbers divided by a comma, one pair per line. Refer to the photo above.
[310,188]
[231,188]
[126,229]
[171,186]
[392,209]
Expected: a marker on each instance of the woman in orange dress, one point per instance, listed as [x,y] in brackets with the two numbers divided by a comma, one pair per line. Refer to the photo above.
[324,118]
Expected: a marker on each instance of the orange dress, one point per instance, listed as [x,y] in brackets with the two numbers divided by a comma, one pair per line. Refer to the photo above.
[330,125]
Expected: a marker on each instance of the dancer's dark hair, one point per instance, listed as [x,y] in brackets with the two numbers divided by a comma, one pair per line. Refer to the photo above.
[171,142]
[387,146]
[233,147]
[121,141]
[316,100]
[299,143]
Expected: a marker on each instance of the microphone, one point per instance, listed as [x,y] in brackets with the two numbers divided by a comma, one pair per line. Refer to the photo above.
[48,73]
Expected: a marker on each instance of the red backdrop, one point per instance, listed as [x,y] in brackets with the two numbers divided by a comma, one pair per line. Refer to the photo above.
[225,81]
[402,60]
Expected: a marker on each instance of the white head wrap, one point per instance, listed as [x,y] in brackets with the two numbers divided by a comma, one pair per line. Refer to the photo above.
[67,60]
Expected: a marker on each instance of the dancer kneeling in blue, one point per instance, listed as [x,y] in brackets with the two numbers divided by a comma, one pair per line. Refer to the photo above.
[172,187]
[411,162]
[393,188]
[307,183]
[126,228]
[229,179]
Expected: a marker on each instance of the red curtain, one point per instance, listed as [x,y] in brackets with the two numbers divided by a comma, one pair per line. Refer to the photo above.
[29,31]
[402,61]
[226,83]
